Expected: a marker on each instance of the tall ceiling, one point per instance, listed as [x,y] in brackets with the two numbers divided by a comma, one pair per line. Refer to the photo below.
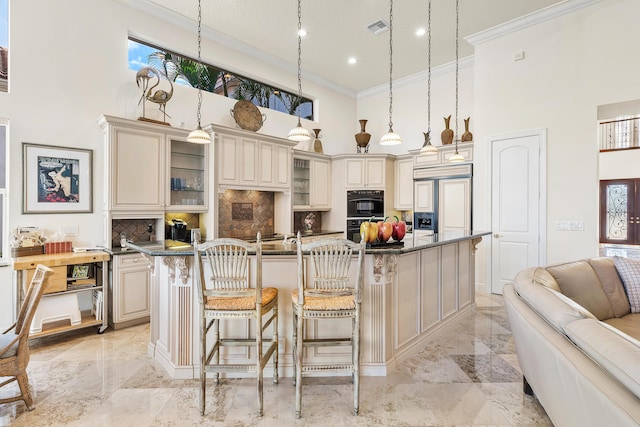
[337,30]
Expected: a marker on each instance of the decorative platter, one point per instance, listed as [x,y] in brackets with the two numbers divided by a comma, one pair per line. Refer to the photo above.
[247,115]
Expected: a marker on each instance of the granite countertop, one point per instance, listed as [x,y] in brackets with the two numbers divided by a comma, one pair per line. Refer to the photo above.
[276,247]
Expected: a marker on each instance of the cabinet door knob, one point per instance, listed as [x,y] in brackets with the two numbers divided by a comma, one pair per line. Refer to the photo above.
[497,236]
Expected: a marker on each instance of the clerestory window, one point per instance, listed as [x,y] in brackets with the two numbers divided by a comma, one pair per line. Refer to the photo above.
[4,45]
[183,70]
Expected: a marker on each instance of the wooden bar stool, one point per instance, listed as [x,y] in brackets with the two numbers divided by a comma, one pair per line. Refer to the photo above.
[327,294]
[222,272]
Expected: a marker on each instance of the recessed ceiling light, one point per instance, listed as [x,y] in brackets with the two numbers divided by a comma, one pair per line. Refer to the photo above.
[421,32]
[302,32]
[352,60]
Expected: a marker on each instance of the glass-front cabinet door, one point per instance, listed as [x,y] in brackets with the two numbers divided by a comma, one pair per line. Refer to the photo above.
[188,176]
[301,183]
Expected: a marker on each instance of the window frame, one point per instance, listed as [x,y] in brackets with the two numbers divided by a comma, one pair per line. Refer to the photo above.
[230,75]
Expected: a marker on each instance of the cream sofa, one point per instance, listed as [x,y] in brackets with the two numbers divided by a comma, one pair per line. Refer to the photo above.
[577,342]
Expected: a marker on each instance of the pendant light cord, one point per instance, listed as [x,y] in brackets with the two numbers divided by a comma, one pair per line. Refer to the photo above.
[457,43]
[199,61]
[299,60]
[390,65]
[429,72]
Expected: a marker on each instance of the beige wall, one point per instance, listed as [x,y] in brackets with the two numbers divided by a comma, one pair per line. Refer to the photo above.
[573,63]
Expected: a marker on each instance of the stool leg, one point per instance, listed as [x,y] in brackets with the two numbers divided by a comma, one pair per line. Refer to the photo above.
[203,357]
[216,342]
[275,340]
[298,355]
[259,355]
[356,363]
[295,344]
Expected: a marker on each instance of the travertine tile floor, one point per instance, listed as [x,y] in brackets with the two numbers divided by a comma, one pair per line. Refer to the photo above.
[468,375]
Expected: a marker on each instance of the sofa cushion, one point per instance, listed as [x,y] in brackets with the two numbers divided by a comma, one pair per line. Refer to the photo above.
[542,277]
[611,284]
[615,351]
[629,270]
[557,309]
[579,281]
[629,324]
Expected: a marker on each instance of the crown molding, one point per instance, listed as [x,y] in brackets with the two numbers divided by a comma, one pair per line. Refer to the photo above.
[151,9]
[542,15]
[420,77]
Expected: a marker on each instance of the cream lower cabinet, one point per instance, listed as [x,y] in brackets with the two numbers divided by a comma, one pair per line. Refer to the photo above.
[130,290]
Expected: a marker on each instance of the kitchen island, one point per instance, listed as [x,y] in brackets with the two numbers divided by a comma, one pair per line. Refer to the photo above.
[410,292]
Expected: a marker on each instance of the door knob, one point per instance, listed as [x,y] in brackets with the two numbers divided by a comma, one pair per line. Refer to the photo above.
[497,236]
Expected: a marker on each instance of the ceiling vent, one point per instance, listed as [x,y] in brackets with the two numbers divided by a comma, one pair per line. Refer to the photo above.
[378,27]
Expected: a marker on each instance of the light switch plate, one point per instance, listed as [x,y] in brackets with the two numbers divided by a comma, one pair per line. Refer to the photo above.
[69,230]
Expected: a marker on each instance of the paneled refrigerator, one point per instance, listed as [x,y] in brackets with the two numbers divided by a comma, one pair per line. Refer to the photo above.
[442,201]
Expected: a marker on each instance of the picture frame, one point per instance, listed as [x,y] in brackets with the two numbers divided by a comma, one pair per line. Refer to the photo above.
[80,272]
[56,179]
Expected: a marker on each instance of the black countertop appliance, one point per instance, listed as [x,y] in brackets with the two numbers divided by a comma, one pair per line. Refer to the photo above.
[176,229]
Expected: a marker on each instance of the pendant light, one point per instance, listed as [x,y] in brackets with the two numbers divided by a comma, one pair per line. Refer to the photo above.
[457,157]
[299,133]
[198,136]
[390,138]
[427,148]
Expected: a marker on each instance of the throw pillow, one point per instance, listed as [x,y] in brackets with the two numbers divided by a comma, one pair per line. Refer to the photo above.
[629,271]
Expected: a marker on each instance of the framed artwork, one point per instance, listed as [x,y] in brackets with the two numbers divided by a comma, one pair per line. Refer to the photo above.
[80,272]
[56,179]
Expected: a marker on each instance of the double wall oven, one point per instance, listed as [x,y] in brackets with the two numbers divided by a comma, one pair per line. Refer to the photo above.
[362,205]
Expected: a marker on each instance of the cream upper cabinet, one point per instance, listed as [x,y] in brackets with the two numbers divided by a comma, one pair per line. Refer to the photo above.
[365,173]
[135,165]
[249,160]
[423,196]
[274,165]
[151,167]
[311,182]
[237,158]
[189,176]
[443,154]
[321,184]
[404,184]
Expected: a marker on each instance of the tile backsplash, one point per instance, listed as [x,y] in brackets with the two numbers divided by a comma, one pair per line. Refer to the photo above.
[315,218]
[142,230]
[242,213]
[137,230]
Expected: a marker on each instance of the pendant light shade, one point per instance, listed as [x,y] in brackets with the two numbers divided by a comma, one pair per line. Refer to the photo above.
[198,136]
[427,148]
[299,133]
[390,138]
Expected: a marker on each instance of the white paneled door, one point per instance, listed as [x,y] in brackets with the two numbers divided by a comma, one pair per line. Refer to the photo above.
[518,221]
